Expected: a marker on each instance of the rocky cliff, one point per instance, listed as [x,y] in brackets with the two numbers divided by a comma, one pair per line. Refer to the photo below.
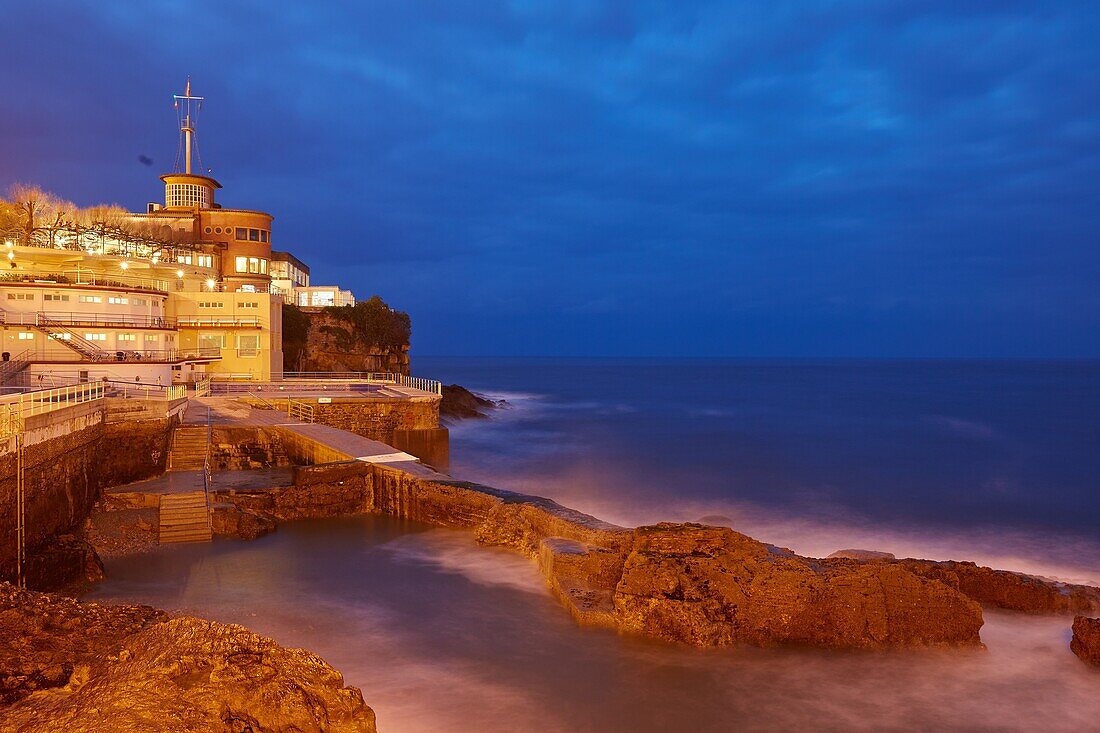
[84,667]
[367,337]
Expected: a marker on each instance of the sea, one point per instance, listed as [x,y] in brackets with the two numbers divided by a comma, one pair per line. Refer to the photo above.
[992,461]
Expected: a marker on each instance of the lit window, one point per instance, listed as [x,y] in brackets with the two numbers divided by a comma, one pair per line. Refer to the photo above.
[140,301]
[65,336]
[263,266]
[151,337]
[26,336]
[205,260]
[242,264]
[126,337]
[95,336]
[117,300]
[184,259]
[248,344]
[211,340]
[91,299]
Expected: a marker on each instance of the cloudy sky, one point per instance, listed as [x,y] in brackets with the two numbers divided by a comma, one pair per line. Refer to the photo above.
[576,177]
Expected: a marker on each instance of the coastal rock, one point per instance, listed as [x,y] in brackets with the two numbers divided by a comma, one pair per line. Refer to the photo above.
[82,667]
[459,402]
[1086,639]
[1008,590]
[232,521]
[861,555]
[64,561]
[713,586]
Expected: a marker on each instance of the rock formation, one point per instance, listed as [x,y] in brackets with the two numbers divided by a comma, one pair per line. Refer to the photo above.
[460,403]
[83,667]
[713,586]
[677,582]
[1007,589]
[860,555]
[1086,639]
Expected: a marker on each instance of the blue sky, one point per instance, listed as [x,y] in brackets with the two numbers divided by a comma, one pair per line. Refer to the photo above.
[817,178]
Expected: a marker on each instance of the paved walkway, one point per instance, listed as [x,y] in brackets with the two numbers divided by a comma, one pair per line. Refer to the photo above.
[229,411]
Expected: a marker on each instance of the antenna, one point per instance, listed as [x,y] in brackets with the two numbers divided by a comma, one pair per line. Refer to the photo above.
[187,120]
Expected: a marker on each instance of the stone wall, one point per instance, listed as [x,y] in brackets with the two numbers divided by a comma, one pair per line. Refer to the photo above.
[378,419]
[242,448]
[70,455]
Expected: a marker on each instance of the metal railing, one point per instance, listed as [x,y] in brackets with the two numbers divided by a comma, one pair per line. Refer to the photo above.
[202,388]
[136,390]
[32,318]
[401,380]
[15,409]
[299,410]
[12,366]
[206,461]
[218,322]
[78,278]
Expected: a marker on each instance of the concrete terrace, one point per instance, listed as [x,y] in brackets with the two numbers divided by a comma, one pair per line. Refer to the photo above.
[342,444]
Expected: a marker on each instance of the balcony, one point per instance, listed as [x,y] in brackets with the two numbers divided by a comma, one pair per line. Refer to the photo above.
[121,320]
[218,322]
[84,278]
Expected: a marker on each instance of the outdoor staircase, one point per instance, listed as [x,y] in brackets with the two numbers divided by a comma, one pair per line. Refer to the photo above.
[65,336]
[12,367]
[188,449]
[185,517]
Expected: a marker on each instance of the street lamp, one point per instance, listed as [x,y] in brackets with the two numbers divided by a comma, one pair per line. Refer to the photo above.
[210,284]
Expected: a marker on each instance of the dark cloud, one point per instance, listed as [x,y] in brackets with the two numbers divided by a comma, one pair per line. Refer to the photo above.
[843,177]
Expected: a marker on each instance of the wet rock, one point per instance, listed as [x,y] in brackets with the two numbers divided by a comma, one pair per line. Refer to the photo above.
[1009,590]
[459,402]
[861,555]
[129,668]
[713,586]
[1086,639]
[64,561]
[229,520]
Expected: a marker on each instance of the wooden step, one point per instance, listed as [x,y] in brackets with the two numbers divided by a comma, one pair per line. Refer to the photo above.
[185,518]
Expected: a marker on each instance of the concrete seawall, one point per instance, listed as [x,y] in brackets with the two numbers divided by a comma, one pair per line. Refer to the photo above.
[69,456]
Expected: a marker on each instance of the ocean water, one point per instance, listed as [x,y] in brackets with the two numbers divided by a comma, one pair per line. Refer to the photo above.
[988,461]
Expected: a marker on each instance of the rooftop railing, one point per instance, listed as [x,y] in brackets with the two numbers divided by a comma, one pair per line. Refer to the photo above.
[85,278]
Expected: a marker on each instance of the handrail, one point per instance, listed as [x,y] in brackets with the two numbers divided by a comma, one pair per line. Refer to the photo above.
[72,318]
[299,410]
[401,380]
[206,461]
[16,408]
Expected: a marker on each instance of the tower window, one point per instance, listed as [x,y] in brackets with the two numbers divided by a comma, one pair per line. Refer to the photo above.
[241,233]
[208,230]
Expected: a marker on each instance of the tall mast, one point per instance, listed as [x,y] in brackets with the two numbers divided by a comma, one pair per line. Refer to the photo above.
[187,120]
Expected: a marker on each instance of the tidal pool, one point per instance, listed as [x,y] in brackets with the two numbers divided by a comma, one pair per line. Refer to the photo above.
[442,634]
